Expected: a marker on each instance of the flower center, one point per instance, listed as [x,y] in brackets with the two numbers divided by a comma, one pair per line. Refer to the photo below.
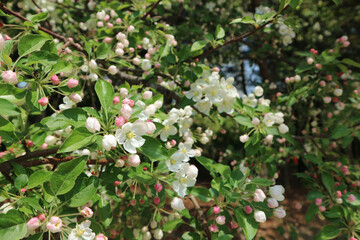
[130,135]
[80,232]
[173,161]
[166,128]
[183,180]
[213,93]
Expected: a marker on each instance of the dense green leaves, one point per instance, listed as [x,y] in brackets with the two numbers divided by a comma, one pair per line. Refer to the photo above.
[154,150]
[79,138]
[247,222]
[30,43]
[12,225]
[63,179]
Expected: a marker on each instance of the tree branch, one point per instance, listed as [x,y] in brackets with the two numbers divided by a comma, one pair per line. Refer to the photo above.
[241,37]
[151,9]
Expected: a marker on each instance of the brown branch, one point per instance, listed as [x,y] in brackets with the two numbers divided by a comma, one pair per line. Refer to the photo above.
[54,160]
[202,216]
[55,35]
[6,166]
[241,37]
[151,9]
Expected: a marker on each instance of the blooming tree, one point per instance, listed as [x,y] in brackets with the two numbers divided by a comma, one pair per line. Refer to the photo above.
[103,107]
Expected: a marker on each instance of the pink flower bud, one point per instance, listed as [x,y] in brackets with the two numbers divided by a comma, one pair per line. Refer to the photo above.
[116,183]
[44,146]
[318,66]
[118,21]
[33,224]
[72,83]
[322,83]
[345,170]
[234,225]
[23,190]
[329,77]
[99,24]
[147,56]
[9,77]
[55,79]
[101,237]
[322,209]
[107,40]
[338,194]
[272,203]
[29,143]
[133,202]
[173,142]
[248,209]
[310,61]
[136,61]
[43,101]
[87,212]
[128,102]
[54,225]
[216,69]
[220,220]
[351,198]
[313,51]
[41,217]
[116,100]
[134,160]
[157,65]
[158,187]
[109,25]
[126,111]
[318,201]
[214,228]
[131,28]
[156,200]
[216,210]
[76,98]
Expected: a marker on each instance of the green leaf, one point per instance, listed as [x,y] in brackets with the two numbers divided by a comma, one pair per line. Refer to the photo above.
[79,138]
[328,181]
[43,57]
[328,232]
[7,60]
[105,92]
[190,236]
[262,182]
[38,236]
[313,158]
[102,51]
[201,193]
[247,222]
[31,43]
[336,2]
[12,225]
[314,195]
[5,125]
[224,170]
[21,181]
[7,108]
[39,17]
[154,150]
[198,45]
[38,178]
[295,3]
[171,225]
[244,120]
[184,53]
[340,131]
[311,212]
[220,32]
[83,191]
[63,179]
[245,20]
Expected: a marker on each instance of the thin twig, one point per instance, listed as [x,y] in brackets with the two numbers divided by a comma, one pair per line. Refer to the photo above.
[202,216]
[151,9]
[241,37]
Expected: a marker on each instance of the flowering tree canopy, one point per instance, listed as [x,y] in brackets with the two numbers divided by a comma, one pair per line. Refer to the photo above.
[111,112]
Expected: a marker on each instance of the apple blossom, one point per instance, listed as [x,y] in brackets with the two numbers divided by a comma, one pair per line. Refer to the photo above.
[280,212]
[82,231]
[54,225]
[214,228]
[43,101]
[134,160]
[259,195]
[101,237]
[259,216]
[277,192]
[76,98]
[54,79]
[244,138]
[87,212]
[71,83]
[9,77]
[92,124]
[33,224]
[109,142]
[258,91]
[220,220]
[130,135]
